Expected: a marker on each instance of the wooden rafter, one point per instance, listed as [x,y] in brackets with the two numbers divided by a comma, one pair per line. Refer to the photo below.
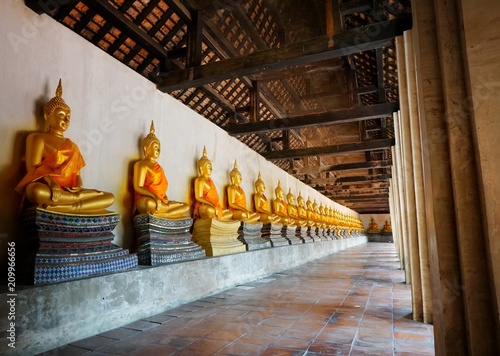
[317,49]
[358,113]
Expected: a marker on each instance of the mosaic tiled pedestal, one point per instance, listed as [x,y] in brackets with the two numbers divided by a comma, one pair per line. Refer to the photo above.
[217,237]
[63,246]
[165,240]
[290,233]
[301,233]
[273,233]
[251,236]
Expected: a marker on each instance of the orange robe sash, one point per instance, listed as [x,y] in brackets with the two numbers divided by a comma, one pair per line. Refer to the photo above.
[212,196]
[63,166]
[241,200]
[156,182]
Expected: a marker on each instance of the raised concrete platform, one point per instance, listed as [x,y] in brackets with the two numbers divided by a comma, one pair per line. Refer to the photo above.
[48,316]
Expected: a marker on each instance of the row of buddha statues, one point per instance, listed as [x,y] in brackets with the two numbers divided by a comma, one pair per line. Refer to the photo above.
[53,182]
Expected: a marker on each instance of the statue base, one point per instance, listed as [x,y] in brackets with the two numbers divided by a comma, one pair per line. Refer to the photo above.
[218,237]
[290,233]
[301,233]
[165,240]
[311,233]
[250,234]
[318,232]
[61,246]
[273,233]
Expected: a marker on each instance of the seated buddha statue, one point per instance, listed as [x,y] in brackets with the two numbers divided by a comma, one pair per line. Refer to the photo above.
[387,227]
[311,213]
[280,206]
[293,210]
[237,200]
[373,227]
[262,204]
[207,203]
[151,184]
[301,207]
[53,165]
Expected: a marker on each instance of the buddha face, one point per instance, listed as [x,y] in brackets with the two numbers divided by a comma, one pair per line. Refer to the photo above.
[153,150]
[59,119]
[279,193]
[300,201]
[260,187]
[206,169]
[236,178]
[290,199]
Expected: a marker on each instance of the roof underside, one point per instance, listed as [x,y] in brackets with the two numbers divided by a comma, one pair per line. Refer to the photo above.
[310,85]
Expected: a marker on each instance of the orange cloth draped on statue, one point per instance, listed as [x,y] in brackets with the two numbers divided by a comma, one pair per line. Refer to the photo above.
[241,200]
[265,206]
[156,182]
[63,166]
[212,196]
[282,208]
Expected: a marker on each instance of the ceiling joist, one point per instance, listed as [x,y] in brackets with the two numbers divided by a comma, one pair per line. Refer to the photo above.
[321,48]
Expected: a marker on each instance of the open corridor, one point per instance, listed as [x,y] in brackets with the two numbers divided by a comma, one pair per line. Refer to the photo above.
[353,302]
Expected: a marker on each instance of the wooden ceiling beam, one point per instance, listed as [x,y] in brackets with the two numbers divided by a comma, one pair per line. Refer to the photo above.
[341,167]
[355,40]
[379,177]
[354,114]
[329,150]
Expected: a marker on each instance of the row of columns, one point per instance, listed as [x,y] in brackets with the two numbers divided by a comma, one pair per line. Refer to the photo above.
[435,190]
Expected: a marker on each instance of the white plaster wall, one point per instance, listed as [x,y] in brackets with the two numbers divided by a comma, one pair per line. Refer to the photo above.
[112,107]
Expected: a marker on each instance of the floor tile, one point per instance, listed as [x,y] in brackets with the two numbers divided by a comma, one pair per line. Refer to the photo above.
[354,302]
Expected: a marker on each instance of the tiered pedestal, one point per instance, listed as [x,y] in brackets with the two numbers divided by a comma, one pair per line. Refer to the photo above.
[311,232]
[318,231]
[61,246]
[217,237]
[251,235]
[301,233]
[164,240]
[290,233]
[273,233]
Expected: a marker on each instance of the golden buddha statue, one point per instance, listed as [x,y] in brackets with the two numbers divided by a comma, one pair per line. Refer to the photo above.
[293,210]
[301,207]
[151,184]
[280,206]
[387,227]
[205,193]
[53,165]
[373,227]
[237,200]
[311,213]
[262,204]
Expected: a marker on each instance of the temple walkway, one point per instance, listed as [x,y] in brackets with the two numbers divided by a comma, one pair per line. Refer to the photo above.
[354,302]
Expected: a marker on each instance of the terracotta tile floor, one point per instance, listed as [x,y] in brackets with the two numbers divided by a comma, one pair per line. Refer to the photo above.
[353,302]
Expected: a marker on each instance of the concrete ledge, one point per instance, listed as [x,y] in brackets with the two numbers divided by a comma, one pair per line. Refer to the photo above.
[52,315]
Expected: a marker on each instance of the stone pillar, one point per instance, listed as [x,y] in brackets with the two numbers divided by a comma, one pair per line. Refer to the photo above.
[398,167]
[409,197]
[411,91]
[475,284]
[482,52]
[462,306]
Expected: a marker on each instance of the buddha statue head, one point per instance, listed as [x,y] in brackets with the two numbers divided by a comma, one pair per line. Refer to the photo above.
[151,143]
[279,191]
[204,164]
[54,106]
[56,102]
[300,200]
[235,174]
[289,197]
[260,186]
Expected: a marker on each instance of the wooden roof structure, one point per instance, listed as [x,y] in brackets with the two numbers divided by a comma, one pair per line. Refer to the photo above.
[310,85]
